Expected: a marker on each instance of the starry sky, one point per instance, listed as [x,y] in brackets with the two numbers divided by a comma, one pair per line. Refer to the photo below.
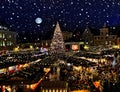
[71,14]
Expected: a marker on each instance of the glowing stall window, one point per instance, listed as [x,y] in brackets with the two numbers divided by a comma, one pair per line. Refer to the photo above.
[43,90]
[53,90]
[3,43]
[46,44]
[8,43]
[61,90]
[0,35]
[64,90]
[11,43]
[3,35]
[46,90]
[74,47]
[50,90]
[9,36]
[56,90]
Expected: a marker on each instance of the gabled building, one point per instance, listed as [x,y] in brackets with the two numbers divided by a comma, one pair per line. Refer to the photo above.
[105,38]
[88,37]
[67,35]
[7,38]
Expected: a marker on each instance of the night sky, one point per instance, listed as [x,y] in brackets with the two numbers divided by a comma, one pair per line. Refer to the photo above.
[71,14]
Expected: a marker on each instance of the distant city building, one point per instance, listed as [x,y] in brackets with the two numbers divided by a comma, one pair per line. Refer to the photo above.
[118,41]
[105,38]
[66,35]
[74,46]
[115,30]
[7,38]
[54,86]
[45,43]
[88,37]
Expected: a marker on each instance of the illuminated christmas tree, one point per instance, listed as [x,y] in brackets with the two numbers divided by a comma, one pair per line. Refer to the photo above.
[57,45]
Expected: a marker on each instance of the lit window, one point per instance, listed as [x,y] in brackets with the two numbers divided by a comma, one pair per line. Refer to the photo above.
[3,35]
[11,43]
[56,90]
[46,90]
[114,28]
[9,36]
[74,47]
[46,44]
[0,43]
[64,90]
[3,43]
[53,90]
[0,35]
[50,90]
[8,43]
[106,42]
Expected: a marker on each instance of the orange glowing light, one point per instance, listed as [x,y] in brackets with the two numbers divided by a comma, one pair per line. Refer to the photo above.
[97,84]
[80,91]
[74,47]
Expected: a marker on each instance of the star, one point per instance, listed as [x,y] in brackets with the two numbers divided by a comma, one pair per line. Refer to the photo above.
[3,7]
[71,14]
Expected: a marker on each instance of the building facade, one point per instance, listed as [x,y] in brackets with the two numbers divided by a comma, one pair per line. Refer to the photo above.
[105,38]
[66,35]
[118,42]
[88,37]
[7,38]
[54,86]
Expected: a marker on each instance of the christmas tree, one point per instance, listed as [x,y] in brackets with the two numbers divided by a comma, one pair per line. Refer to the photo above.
[57,45]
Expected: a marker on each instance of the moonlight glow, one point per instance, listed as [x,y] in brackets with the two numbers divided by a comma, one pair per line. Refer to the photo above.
[40,16]
[38,20]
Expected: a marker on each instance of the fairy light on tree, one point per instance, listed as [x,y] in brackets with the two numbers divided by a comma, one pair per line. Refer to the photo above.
[57,45]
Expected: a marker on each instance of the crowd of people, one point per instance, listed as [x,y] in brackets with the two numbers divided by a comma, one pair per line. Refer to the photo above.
[105,74]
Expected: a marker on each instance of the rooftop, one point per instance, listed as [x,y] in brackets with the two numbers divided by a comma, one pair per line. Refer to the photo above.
[54,84]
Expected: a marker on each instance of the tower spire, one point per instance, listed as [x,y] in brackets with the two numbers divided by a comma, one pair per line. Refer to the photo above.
[105,25]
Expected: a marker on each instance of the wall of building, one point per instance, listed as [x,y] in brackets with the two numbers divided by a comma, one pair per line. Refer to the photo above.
[104,38]
[88,37]
[7,39]
[53,90]
[66,35]
[118,41]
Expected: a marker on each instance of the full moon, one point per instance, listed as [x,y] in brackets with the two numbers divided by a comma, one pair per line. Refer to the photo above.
[38,20]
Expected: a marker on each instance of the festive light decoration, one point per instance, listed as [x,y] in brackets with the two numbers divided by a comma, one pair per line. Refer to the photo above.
[97,84]
[57,45]
[75,47]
